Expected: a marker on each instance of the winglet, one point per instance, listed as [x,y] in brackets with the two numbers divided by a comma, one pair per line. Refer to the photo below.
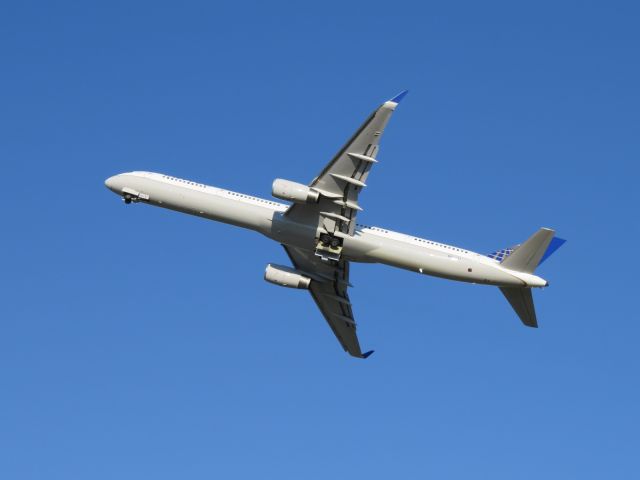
[367,354]
[398,98]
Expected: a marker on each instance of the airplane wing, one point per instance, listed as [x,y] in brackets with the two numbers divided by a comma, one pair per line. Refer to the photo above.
[329,290]
[342,180]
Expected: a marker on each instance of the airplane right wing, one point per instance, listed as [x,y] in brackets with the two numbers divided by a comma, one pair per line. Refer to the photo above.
[343,178]
[329,290]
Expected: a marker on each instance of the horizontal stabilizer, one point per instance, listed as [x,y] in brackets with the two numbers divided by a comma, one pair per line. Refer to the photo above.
[527,256]
[522,302]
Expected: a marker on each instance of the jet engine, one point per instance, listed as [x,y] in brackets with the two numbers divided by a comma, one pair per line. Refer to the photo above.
[286,277]
[293,192]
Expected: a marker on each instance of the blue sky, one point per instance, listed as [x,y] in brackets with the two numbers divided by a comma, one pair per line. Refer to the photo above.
[137,342]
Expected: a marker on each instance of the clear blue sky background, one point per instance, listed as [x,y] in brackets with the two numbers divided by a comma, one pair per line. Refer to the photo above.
[140,343]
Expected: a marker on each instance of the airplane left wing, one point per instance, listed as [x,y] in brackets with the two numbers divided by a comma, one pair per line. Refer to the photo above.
[329,290]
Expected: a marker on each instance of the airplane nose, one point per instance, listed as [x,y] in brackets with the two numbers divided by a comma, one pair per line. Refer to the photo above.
[111,182]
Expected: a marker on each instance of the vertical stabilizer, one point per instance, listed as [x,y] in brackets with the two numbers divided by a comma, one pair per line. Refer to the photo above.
[522,302]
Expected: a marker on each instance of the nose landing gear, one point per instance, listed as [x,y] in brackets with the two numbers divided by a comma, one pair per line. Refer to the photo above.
[129,195]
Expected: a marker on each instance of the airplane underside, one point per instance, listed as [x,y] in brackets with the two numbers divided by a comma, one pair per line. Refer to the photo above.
[319,233]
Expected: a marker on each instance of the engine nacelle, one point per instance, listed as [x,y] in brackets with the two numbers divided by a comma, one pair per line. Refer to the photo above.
[293,192]
[286,277]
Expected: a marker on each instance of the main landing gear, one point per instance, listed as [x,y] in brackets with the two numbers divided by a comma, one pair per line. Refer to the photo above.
[330,241]
[328,247]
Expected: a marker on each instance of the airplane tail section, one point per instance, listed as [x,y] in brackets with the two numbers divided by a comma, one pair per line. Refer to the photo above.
[525,258]
[521,301]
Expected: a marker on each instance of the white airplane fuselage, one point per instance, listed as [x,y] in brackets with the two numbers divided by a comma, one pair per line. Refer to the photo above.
[368,244]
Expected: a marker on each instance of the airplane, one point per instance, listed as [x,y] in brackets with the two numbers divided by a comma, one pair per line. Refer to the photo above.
[320,234]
